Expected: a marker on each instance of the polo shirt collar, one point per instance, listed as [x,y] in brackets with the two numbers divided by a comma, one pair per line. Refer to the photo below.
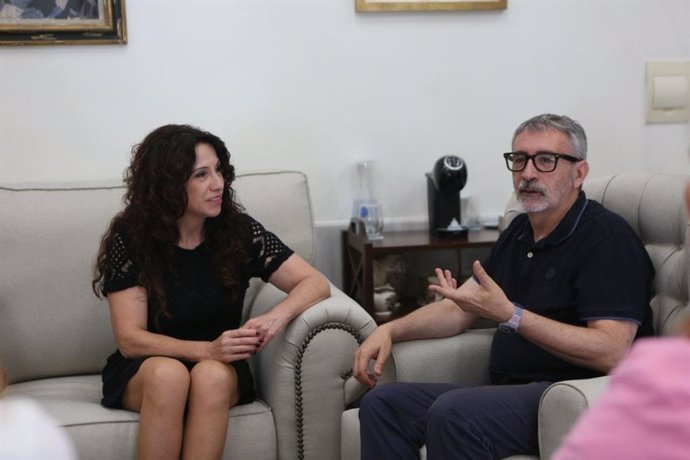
[563,230]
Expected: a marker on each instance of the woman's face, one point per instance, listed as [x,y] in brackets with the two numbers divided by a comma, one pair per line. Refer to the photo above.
[205,185]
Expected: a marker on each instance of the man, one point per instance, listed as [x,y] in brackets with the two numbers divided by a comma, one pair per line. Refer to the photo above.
[569,284]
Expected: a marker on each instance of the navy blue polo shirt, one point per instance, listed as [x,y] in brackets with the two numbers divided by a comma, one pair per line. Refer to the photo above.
[592,266]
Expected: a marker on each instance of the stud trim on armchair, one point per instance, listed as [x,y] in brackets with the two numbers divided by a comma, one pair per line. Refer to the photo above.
[298,375]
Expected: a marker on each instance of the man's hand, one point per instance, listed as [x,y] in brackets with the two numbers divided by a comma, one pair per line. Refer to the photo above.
[377,346]
[479,295]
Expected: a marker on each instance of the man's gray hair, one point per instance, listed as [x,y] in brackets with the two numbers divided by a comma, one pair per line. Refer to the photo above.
[561,123]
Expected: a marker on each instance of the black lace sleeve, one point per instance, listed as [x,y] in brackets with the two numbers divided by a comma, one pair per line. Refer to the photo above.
[121,273]
[267,251]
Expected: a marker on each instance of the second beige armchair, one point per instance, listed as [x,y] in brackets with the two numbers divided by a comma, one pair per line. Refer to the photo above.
[654,207]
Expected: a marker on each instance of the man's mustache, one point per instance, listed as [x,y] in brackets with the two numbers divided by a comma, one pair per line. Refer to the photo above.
[531,188]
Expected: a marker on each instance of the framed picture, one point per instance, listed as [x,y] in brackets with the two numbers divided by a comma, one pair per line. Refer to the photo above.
[62,22]
[429,5]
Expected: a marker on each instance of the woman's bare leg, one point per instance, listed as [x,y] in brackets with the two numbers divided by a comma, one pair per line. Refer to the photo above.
[213,391]
[159,392]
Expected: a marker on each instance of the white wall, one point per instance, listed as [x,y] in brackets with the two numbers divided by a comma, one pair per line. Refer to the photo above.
[312,85]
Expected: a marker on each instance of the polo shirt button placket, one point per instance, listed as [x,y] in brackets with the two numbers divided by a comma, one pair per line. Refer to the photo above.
[530,255]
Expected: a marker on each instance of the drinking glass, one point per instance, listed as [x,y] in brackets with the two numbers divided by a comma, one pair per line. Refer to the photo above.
[370,213]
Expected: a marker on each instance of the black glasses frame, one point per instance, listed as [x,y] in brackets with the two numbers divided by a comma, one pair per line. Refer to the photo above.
[510,158]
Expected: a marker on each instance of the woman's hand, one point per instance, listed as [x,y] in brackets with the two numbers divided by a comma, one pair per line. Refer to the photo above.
[304,287]
[235,344]
[267,326]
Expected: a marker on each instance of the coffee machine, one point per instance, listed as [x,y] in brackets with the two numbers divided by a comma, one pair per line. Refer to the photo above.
[443,185]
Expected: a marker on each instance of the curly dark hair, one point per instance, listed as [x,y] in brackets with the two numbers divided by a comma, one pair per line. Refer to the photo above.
[154,201]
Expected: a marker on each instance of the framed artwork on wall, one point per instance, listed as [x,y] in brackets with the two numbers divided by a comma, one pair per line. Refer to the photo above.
[428,5]
[62,22]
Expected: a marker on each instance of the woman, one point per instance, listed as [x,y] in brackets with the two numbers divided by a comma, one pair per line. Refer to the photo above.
[175,265]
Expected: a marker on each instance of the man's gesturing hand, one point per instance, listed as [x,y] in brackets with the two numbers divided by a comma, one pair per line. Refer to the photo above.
[479,295]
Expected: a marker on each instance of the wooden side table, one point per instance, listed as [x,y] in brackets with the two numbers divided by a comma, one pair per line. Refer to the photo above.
[358,254]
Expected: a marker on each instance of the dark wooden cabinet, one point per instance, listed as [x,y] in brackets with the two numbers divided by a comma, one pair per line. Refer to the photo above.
[359,254]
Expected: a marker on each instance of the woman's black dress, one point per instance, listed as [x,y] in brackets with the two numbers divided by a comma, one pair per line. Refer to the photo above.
[200,308]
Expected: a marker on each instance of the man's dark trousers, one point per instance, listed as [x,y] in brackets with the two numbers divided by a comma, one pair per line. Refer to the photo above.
[455,422]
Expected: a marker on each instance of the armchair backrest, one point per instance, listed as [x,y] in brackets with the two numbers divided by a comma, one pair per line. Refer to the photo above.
[51,324]
[654,205]
[281,202]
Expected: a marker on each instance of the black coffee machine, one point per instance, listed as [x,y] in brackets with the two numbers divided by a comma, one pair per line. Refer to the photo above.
[443,185]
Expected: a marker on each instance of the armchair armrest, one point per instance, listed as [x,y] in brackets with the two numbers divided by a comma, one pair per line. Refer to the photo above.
[302,373]
[462,359]
[560,407]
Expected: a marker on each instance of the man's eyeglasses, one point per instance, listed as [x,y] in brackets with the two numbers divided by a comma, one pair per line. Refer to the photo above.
[543,161]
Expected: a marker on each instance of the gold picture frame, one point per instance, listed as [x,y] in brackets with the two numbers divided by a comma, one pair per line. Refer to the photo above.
[428,5]
[63,22]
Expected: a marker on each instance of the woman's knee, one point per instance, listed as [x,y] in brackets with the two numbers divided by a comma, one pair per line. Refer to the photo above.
[161,384]
[213,379]
[165,375]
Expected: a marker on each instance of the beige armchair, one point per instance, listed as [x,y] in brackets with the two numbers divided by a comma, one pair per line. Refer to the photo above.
[654,206]
[55,335]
